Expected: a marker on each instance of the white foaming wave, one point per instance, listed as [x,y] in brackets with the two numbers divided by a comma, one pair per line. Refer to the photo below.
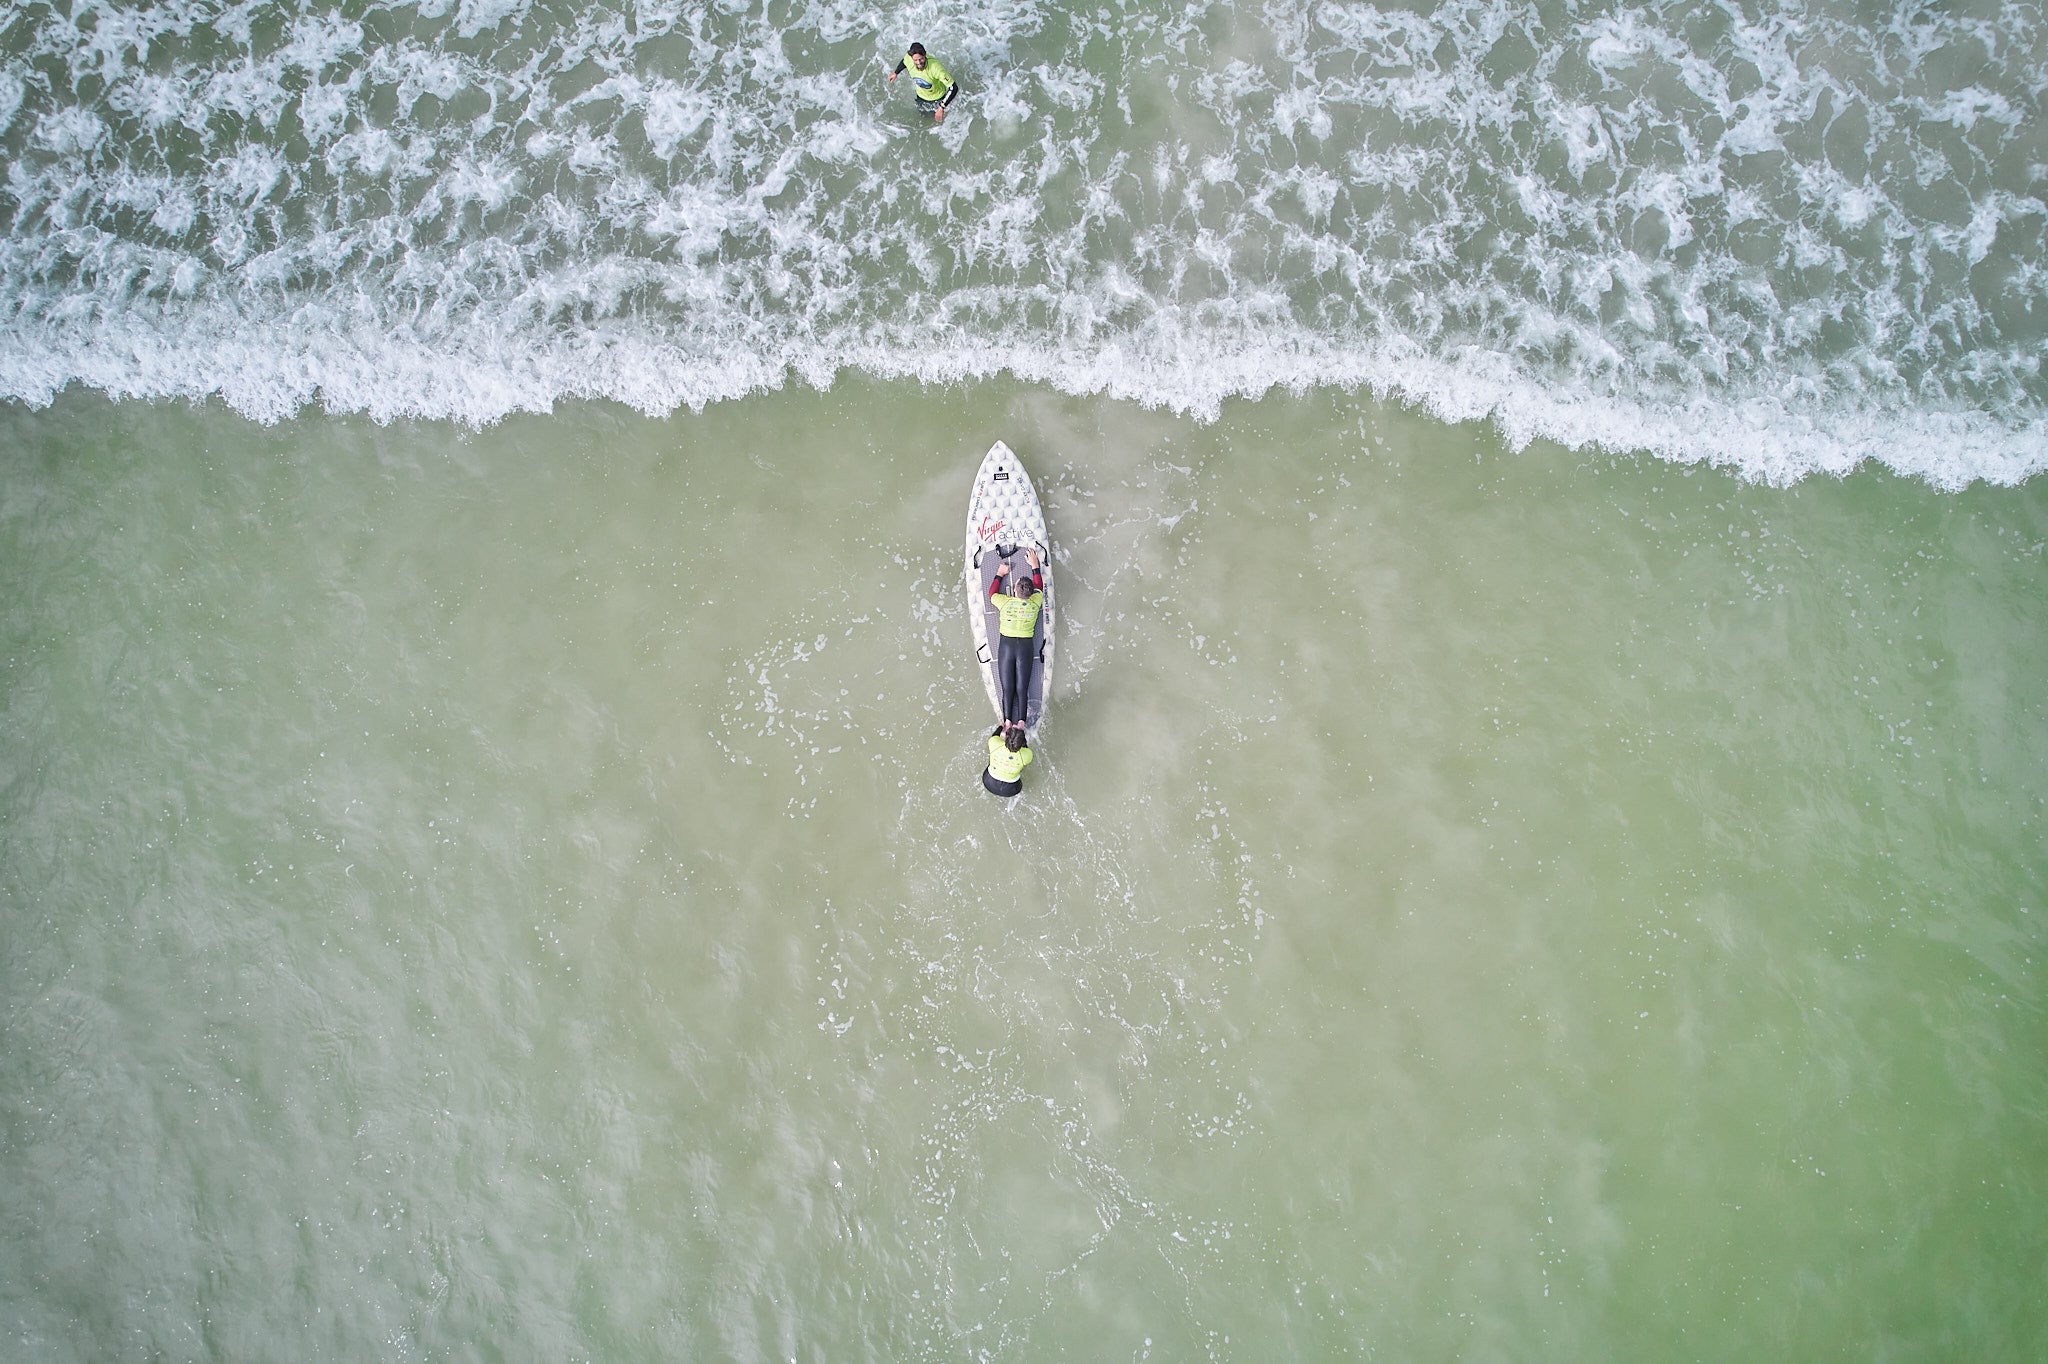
[13,89]
[481,371]
[844,140]
[476,16]
[247,176]
[70,132]
[319,41]
[671,113]
[1964,107]
[418,71]
[156,101]
[252,90]
[1264,259]
[1756,132]
[1006,103]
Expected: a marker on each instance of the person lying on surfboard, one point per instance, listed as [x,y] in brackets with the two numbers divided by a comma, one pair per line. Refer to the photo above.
[935,89]
[1017,623]
[1008,756]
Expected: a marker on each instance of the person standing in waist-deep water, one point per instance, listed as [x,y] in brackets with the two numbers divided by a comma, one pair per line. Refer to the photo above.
[1008,756]
[935,89]
[1017,622]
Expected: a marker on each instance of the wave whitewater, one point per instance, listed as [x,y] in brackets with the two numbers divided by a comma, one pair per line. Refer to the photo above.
[1786,239]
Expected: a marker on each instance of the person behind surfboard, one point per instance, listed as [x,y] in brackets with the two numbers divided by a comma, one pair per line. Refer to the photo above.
[1017,624]
[1008,756]
[935,89]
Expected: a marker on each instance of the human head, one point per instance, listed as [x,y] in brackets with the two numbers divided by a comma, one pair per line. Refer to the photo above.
[1020,584]
[1014,739]
[917,54]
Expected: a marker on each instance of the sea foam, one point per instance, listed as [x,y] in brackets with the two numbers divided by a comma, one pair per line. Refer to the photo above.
[1636,228]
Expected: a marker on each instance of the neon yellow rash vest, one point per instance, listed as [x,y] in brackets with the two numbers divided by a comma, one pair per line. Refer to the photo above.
[1004,765]
[932,83]
[1018,616]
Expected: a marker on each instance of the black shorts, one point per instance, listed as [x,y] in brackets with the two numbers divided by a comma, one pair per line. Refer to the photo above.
[997,786]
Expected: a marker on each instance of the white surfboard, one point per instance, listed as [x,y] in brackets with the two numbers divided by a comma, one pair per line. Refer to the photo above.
[1003,519]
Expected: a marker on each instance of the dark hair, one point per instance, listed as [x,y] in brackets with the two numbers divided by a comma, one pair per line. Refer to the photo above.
[1020,584]
[917,49]
[1014,740]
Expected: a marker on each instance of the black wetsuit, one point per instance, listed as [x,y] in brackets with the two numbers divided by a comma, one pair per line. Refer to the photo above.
[1015,656]
[1013,676]
[996,785]
[928,104]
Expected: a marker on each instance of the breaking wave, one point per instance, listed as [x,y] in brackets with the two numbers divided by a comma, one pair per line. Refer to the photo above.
[1787,238]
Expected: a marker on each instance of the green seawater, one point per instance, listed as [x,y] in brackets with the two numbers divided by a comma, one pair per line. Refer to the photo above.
[526,894]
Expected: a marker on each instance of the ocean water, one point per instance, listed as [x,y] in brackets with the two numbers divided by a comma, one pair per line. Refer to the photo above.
[1536,847]
[528,894]
[1781,237]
